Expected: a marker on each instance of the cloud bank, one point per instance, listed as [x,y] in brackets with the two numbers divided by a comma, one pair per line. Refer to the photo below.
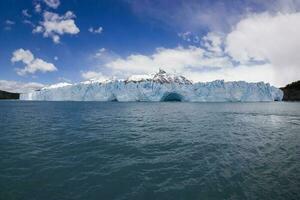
[260,47]
[269,38]
[177,60]
[19,87]
[92,75]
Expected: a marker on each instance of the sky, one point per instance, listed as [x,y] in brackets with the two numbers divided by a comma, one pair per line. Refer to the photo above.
[45,42]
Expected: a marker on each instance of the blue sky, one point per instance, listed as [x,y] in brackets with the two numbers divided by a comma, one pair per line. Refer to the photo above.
[50,41]
[123,33]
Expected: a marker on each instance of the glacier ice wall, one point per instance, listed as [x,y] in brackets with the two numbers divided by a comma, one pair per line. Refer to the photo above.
[150,90]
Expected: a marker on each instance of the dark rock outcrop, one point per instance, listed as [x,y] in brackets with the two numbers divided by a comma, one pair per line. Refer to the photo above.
[9,95]
[291,92]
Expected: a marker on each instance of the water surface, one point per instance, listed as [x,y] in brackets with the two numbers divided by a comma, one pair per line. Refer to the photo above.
[93,150]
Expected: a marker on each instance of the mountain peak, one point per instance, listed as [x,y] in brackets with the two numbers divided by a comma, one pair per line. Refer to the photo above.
[163,77]
[160,77]
[161,71]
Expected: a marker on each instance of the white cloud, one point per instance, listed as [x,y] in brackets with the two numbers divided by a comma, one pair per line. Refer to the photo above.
[213,42]
[268,38]
[19,87]
[26,21]
[189,37]
[261,47]
[186,36]
[32,65]
[195,63]
[38,8]
[95,30]
[102,56]
[178,59]
[38,29]
[9,22]
[55,25]
[63,79]
[52,3]
[253,73]
[22,55]
[206,63]
[100,53]
[26,13]
[93,75]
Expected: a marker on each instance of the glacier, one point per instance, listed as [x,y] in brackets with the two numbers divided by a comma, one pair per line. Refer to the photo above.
[161,86]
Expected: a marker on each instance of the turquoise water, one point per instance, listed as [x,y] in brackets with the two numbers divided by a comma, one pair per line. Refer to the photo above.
[172,150]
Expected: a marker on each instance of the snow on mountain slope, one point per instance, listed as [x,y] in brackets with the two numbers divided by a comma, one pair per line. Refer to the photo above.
[161,86]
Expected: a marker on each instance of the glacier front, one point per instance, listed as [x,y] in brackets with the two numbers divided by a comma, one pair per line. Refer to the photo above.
[161,86]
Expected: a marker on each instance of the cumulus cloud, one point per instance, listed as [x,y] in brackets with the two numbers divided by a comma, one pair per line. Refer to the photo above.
[19,87]
[32,64]
[98,30]
[52,3]
[93,75]
[268,38]
[54,25]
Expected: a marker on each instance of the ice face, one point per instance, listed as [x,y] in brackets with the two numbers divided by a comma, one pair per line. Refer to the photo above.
[158,87]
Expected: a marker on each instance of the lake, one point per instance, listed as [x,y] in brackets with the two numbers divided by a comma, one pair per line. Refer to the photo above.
[166,150]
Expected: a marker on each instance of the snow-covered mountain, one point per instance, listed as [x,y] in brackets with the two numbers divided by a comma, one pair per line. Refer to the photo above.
[161,86]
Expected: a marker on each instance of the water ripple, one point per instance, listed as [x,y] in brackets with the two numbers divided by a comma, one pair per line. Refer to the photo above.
[92,150]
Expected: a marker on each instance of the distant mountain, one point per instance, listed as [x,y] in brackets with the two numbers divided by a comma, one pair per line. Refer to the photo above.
[9,95]
[291,92]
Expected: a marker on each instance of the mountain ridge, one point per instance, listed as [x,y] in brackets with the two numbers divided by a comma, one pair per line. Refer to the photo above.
[291,92]
[9,95]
